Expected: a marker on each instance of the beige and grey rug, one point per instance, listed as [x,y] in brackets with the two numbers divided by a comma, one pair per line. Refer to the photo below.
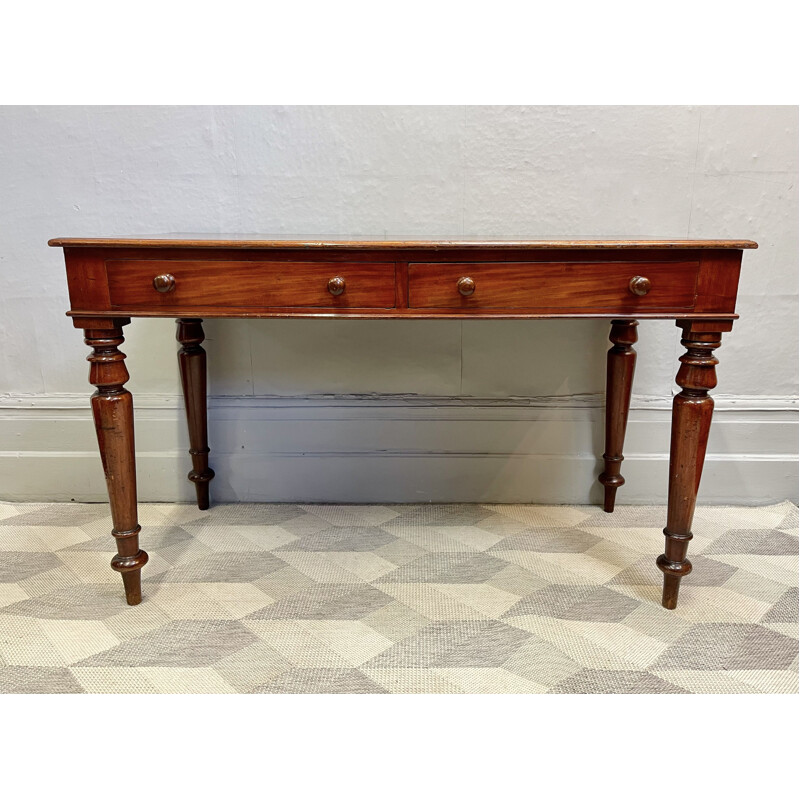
[397,599]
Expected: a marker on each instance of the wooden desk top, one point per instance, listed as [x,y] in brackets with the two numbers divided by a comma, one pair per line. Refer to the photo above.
[290,242]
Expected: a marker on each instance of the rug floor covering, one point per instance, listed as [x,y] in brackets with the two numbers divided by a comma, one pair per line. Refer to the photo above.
[277,598]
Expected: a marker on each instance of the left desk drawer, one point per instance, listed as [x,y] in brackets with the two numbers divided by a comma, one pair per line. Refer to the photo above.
[178,284]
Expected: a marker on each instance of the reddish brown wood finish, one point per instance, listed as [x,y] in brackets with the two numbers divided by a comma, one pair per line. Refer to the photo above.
[621,363]
[718,281]
[250,242]
[112,407]
[600,286]
[250,284]
[691,421]
[89,278]
[87,281]
[693,282]
[192,362]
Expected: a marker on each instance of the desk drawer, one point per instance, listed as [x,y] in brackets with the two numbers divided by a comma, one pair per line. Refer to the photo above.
[250,284]
[548,285]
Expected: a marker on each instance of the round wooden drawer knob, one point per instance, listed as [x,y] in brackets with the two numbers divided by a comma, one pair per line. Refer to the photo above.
[466,286]
[336,286]
[164,283]
[639,286]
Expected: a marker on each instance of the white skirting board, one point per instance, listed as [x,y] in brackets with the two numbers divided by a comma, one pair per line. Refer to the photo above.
[397,450]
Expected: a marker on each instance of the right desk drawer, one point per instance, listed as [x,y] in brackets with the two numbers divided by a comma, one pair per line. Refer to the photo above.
[618,287]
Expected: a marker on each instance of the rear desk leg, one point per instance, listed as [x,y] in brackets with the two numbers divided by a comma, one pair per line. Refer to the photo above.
[621,362]
[192,362]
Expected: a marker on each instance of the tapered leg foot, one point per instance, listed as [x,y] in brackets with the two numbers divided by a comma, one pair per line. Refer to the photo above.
[201,488]
[112,408]
[691,420]
[621,363]
[612,483]
[132,579]
[669,598]
[130,566]
[192,362]
[673,572]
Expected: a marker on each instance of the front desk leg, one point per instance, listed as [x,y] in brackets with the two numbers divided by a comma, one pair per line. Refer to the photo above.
[112,407]
[691,420]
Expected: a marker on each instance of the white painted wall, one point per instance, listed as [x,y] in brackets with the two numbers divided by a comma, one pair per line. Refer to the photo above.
[459,422]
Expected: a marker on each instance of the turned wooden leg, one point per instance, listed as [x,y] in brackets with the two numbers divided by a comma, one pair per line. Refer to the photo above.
[691,420]
[112,407]
[621,363]
[192,361]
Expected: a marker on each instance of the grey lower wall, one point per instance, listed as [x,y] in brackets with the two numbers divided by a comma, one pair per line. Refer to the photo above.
[352,450]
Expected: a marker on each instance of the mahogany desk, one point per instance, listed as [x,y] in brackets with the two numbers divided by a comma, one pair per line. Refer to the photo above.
[692,282]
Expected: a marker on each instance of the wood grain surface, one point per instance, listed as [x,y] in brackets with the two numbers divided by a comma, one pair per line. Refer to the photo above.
[553,285]
[250,284]
[375,243]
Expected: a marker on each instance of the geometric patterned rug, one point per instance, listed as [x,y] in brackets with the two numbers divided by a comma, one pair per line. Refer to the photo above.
[512,599]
